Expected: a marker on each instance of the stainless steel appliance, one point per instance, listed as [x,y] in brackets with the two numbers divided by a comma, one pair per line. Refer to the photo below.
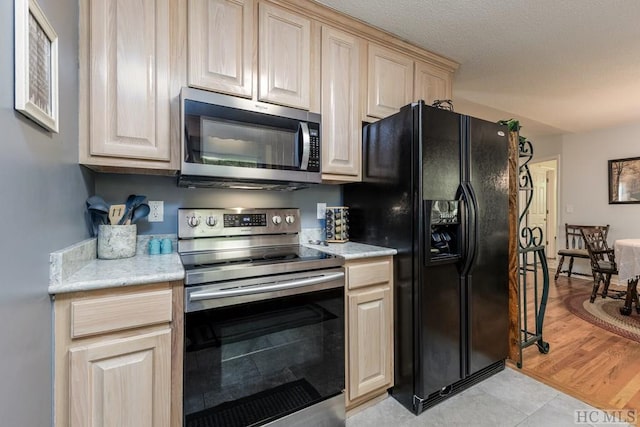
[264,321]
[435,186]
[239,143]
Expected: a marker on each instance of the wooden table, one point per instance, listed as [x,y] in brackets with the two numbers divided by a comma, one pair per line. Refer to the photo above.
[627,252]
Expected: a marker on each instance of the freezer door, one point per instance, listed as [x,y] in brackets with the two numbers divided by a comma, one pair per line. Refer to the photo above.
[440,154]
[487,282]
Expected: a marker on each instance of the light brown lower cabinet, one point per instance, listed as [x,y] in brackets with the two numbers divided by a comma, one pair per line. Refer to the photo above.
[118,357]
[369,349]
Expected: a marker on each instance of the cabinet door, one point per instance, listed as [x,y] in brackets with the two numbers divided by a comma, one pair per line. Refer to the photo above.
[122,383]
[341,129]
[370,341]
[284,56]
[390,81]
[129,81]
[221,45]
[431,83]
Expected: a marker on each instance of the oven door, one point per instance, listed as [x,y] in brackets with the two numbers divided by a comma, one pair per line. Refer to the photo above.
[261,357]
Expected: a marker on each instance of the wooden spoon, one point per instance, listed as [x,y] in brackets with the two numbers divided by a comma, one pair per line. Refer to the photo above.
[115,213]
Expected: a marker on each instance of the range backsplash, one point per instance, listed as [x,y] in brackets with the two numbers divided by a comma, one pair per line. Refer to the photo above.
[116,187]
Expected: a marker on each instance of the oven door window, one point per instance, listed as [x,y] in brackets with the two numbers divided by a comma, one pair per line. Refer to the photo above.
[252,363]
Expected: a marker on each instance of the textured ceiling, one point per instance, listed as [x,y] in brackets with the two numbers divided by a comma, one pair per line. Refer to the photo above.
[558,66]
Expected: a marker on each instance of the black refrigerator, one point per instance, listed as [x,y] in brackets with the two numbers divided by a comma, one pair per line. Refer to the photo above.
[435,187]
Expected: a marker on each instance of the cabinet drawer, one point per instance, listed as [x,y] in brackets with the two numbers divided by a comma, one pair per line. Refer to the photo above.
[369,273]
[99,315]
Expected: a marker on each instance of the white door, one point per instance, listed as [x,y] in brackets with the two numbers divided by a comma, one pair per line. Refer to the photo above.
[537,215]
[552,223]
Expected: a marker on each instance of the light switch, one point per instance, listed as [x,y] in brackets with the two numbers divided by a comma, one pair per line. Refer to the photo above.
[569,208]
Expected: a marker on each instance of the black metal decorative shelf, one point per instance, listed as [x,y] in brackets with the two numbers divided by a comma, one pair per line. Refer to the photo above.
[532,263]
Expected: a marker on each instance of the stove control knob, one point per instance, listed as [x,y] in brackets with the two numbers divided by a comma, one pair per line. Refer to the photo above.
[290,219]
[211,221]
[277,219]
[193,221]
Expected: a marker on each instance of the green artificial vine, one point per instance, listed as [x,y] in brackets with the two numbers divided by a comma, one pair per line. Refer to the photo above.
[514,126]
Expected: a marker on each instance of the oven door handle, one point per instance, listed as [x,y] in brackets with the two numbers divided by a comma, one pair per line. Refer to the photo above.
[278,286]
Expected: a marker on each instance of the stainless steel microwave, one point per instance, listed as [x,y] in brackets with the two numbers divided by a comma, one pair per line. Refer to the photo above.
[239,143]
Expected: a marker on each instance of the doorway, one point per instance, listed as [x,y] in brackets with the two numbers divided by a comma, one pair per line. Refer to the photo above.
[543,211]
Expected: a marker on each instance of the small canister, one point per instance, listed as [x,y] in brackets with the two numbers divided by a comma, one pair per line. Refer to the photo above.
[166,246]
[154,246]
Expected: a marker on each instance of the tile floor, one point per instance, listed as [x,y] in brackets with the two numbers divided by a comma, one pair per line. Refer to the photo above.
[508,398]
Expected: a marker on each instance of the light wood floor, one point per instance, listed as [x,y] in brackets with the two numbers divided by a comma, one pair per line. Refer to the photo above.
[587,362]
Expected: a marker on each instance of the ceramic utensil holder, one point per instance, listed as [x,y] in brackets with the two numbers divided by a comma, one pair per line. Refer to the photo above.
[337,223]
[117,241]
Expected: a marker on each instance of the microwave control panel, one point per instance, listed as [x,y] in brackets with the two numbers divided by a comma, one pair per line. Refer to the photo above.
[314,155]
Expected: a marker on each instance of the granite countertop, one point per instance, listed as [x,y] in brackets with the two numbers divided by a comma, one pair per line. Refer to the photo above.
[76,268]
[353,250]
[137,270]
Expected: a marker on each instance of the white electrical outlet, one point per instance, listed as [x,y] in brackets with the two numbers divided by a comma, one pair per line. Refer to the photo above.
[321,210]
[157,211]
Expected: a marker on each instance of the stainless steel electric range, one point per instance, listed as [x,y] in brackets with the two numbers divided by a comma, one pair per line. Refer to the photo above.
[264,321]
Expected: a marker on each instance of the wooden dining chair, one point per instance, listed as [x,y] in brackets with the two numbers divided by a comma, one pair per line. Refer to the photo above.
[603,262]
[575,246]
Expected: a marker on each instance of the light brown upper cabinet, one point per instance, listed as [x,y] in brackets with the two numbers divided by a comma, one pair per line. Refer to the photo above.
[431,83]
[221,45]
[341,126]
[284,57]
[127,83]
[389,81]
[135,58]
[224,36]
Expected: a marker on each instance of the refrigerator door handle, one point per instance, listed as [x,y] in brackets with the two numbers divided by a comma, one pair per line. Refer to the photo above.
[471,225]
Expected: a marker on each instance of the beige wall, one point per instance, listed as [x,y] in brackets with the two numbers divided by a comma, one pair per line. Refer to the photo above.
[585,177]
[583,180]
[545,148]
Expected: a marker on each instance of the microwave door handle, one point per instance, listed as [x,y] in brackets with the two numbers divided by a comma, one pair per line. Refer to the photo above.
[303,131]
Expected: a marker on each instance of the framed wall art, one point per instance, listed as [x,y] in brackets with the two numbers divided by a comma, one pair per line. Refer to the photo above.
[624,180]
[36,65]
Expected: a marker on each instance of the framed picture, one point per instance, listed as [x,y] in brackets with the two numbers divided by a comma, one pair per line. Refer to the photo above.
[624,180]
[36,65]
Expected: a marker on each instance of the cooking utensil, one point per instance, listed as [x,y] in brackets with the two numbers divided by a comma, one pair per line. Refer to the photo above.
[132,203]
[116,213]
[140,212]
[93,223]
[96,200]
[99,215]
[98,208]
[96,218]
